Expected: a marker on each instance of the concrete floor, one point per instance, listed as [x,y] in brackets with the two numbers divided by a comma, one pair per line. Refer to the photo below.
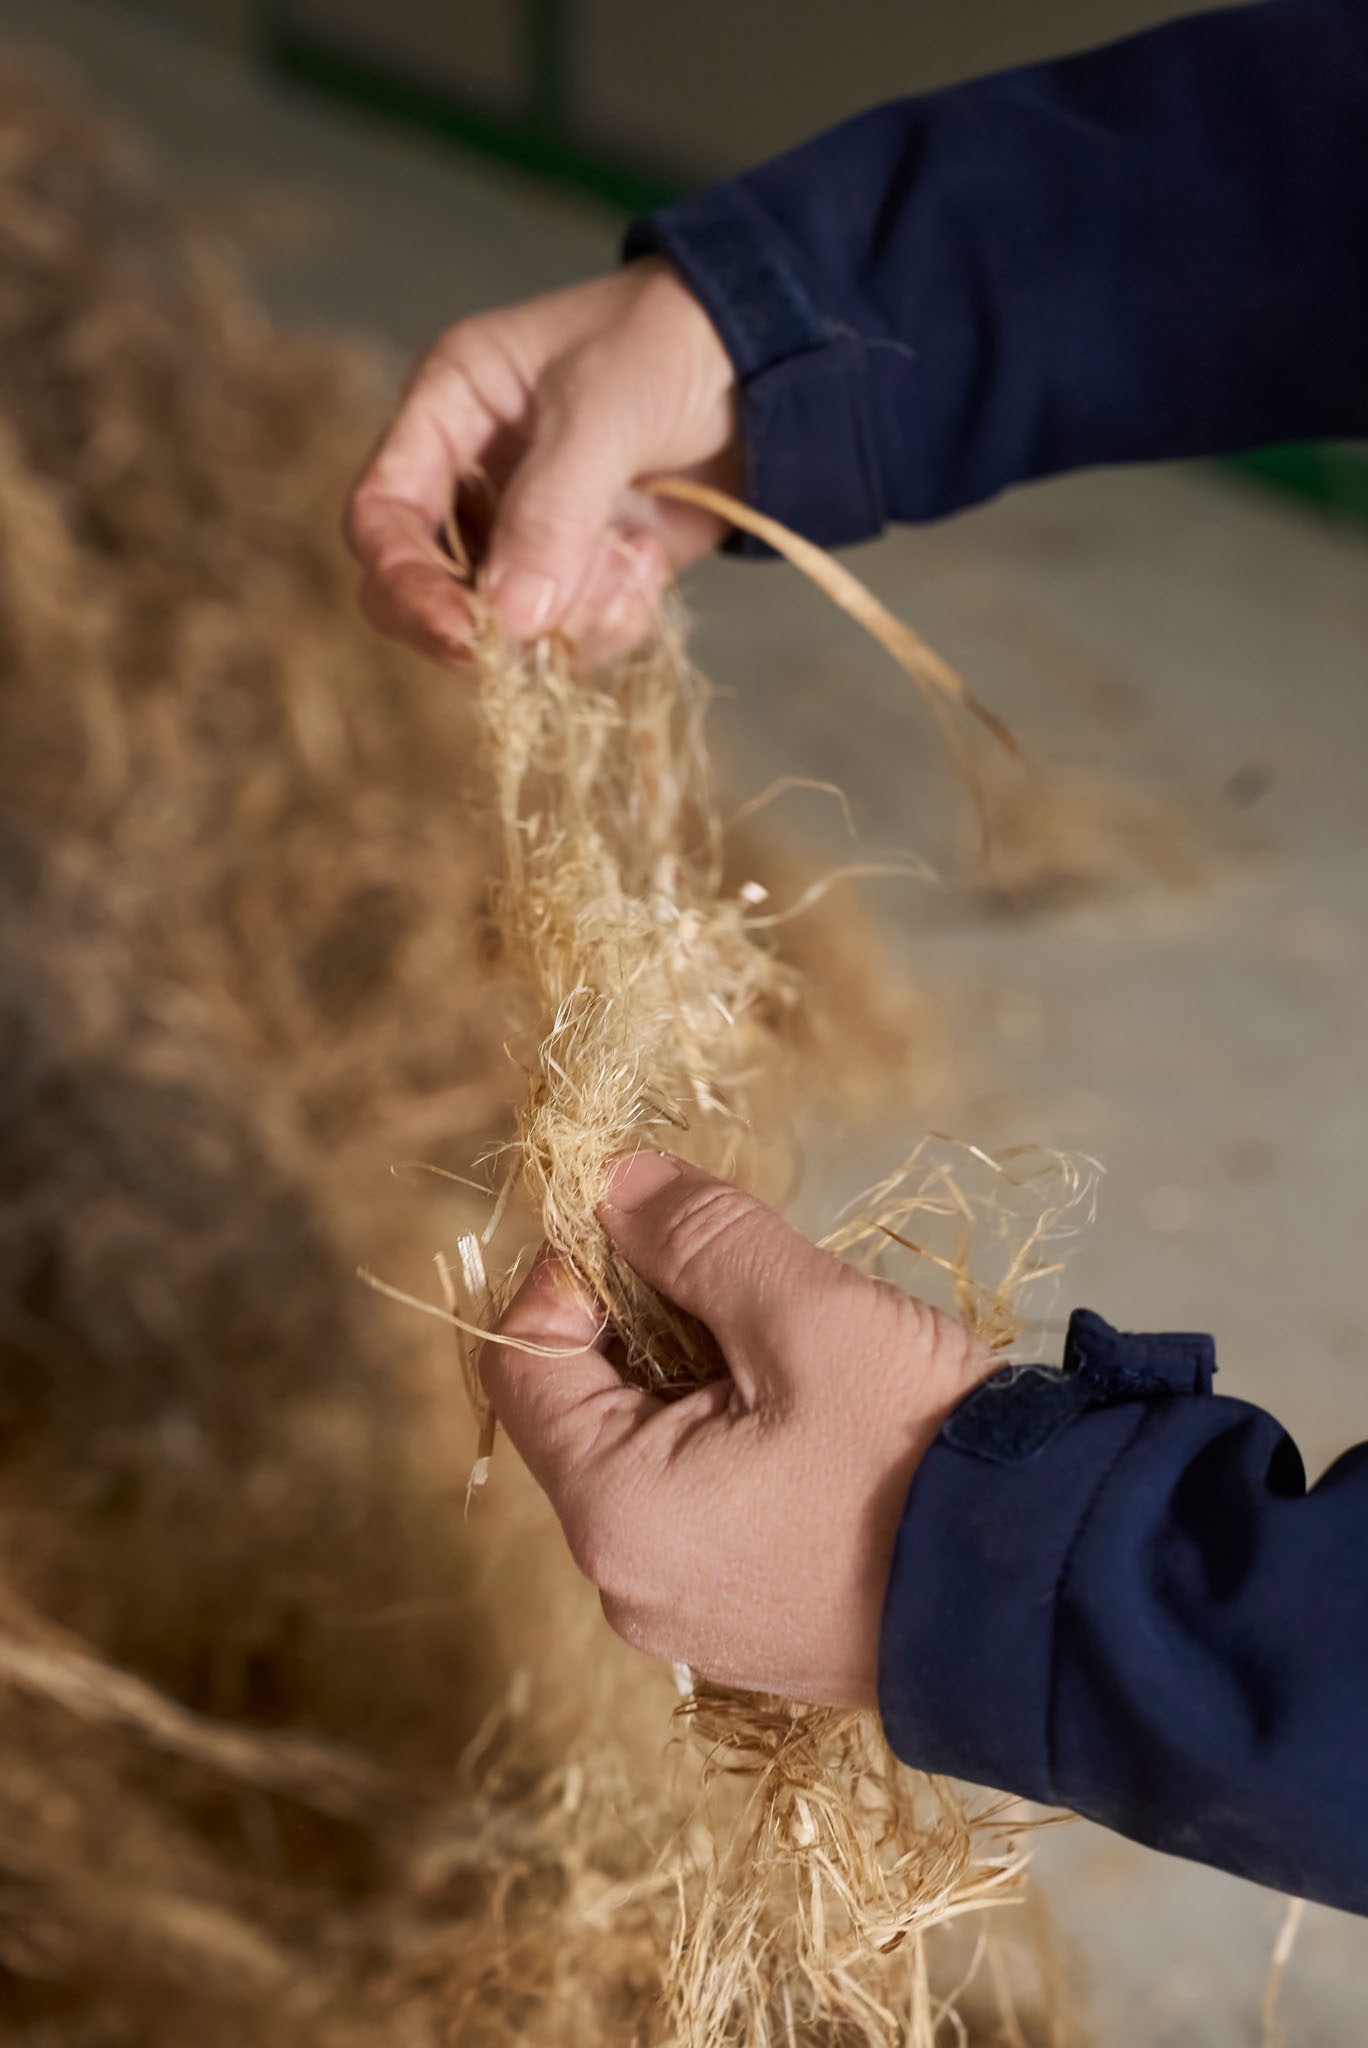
[1207,1044]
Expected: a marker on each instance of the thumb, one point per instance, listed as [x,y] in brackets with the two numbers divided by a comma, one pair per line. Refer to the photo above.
[724,1256]
[556,507]
[556,1394]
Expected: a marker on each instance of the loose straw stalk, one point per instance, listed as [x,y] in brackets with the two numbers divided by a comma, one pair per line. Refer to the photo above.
[648,999]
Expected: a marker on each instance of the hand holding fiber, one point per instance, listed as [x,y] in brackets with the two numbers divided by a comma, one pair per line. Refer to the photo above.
[563,405]
[745,1529]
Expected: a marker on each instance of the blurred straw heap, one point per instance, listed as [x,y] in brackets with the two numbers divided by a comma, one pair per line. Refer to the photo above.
[287,1748]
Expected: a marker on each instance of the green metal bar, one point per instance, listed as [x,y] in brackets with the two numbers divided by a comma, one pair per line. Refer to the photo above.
[539,140]
[549,36]
[1332,475]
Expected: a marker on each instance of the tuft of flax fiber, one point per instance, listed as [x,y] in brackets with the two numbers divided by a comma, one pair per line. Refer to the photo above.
[814,1864]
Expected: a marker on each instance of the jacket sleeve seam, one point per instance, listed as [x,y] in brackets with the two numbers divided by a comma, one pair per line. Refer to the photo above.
[1061,1578]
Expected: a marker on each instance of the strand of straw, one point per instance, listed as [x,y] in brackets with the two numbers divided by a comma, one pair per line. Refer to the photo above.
[941,685]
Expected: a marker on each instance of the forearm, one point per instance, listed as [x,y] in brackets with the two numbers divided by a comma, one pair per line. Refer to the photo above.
[1112,1592]
[1149,251]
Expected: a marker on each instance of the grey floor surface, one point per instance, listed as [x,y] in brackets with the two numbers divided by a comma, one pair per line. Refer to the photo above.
[1207,1043]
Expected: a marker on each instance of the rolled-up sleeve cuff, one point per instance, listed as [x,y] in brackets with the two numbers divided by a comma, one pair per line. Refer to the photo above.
[993,1515]
[810,458]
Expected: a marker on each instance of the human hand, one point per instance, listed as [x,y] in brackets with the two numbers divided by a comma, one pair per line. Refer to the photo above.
[747,1529]
[563,404]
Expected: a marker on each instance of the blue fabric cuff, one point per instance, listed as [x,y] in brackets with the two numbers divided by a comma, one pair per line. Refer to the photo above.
[809,452]
[991,1518]
[1019,1412]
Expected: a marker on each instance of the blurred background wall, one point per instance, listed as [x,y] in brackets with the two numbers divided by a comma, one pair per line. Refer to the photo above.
[698,88]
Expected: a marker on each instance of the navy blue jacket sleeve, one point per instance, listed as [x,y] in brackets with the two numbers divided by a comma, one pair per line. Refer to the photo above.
[1112,1592]
[1152,250]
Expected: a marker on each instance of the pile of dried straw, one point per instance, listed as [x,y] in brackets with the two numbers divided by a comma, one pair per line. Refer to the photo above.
[284,1748]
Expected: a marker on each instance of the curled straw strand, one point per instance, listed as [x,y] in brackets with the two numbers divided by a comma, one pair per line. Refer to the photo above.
[942,686]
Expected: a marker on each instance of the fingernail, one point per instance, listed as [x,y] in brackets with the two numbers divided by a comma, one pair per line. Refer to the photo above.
[525,600]
[635,1180]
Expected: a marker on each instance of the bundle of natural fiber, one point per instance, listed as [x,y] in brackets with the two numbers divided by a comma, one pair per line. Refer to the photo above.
[649,991]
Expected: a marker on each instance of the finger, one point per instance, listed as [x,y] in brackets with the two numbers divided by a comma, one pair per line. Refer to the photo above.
[765,1292]
[626,622]
[561,1401]
[557,507]
[405,490]
[401,502]
[620,596]
[620,599]
[390,608]
[689,532]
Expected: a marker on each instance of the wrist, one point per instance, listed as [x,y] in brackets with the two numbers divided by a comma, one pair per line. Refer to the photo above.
[701,372]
